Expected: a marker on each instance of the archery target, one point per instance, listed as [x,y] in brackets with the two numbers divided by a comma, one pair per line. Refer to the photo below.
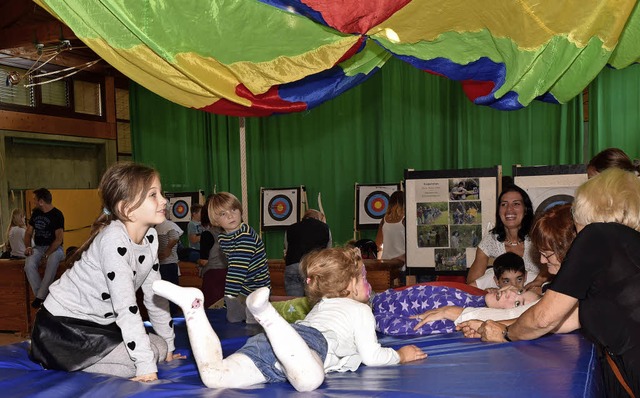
[375,205]
[372,202]
[551,201]
[547,191]
[280,207]
[179,209]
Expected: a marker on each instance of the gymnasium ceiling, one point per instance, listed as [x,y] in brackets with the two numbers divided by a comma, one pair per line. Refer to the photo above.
[28,32]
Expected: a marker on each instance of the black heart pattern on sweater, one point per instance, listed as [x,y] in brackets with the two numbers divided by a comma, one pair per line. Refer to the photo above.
[150,237]
[122,251]
[131,345]
[140,259]
[133,309]
[111,275]
[106,296]
[156,266]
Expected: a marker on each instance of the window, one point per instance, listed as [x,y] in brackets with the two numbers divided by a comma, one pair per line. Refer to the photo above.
[122,104]
[15,94]
[87,97]
[123,124]
[54,92]
[124,137]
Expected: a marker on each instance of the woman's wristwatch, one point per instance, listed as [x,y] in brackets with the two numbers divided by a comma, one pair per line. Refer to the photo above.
[505,334]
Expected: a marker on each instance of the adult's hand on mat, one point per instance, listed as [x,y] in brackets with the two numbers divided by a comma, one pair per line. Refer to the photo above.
[172,355]
[470,328]
[146,378]
[450,312]
[410,353]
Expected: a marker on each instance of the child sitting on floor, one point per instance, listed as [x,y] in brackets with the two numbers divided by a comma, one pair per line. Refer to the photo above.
[396,311]
[336,336]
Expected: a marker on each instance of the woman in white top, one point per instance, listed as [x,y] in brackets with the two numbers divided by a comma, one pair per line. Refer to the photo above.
[391,232]
[15,234]
[514,216]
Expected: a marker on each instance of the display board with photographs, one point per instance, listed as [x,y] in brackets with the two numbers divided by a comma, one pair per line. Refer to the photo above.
[548,186]
[447,214]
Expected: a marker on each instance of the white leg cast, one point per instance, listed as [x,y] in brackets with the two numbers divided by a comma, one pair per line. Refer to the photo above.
[303,367]
[215,372]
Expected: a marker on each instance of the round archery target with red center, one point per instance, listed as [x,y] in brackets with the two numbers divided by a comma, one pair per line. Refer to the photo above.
[180,209]
[375,205]
[280,207]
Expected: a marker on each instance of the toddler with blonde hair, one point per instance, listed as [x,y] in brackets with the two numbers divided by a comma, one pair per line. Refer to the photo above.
[337,335]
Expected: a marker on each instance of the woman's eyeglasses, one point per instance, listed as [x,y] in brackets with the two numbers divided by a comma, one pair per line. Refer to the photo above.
[547,256]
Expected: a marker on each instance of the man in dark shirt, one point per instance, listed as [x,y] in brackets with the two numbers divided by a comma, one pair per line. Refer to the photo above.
[312,233]
[46,226]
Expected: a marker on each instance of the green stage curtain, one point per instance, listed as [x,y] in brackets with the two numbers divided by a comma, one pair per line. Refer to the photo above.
[181,143]
[401,118]
[614,102]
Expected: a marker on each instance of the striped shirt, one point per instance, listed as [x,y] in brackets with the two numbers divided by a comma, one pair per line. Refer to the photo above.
[248,269]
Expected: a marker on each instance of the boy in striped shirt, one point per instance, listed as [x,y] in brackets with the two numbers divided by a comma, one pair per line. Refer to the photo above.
[248,269]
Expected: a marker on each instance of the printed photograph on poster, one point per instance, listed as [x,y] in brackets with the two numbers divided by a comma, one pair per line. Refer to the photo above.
[465,213]
[465,235]
[436,213]
[372,202]
[450,259]
[464,189]
[433,236]
[280,207]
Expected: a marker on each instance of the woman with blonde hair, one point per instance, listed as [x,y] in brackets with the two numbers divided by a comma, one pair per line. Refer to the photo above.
[391,235]
[15,234]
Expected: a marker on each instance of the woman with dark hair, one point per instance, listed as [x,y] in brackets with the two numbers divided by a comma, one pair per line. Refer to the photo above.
[514,215]
[611,158]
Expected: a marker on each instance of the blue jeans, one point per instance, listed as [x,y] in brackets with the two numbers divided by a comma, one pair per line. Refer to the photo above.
[293,281]
[259,349]
[40,286]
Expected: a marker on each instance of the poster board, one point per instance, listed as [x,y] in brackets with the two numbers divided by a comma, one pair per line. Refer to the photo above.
[280,207]
[448,212]
[548,186]
[372,201]
[179,206]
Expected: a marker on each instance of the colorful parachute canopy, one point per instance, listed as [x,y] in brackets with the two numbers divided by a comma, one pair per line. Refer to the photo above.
[257,58]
